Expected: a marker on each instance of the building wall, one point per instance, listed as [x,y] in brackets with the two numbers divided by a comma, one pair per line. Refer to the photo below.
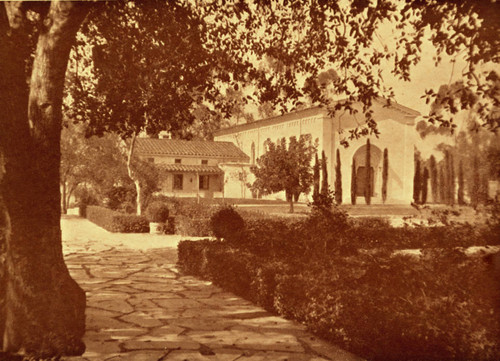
[189,160]
[397,134]
[190,186]
[399,141]
[313,125]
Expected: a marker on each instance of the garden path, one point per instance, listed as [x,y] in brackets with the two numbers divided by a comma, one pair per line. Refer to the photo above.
[140,308]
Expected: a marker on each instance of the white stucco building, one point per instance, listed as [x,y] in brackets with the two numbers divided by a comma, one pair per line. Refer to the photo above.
[397,134]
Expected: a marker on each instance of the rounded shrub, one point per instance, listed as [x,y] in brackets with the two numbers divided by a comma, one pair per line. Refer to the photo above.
[157,212]
[226,223]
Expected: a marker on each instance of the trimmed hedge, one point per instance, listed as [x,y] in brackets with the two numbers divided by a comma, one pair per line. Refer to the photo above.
[114,221]
[441,306]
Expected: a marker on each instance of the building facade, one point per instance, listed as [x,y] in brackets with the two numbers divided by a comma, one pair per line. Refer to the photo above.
[191,168]
[397,135]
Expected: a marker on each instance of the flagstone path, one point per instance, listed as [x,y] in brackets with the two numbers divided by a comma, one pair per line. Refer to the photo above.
[140,308]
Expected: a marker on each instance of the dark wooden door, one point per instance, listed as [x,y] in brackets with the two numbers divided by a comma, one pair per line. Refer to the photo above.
[361,181]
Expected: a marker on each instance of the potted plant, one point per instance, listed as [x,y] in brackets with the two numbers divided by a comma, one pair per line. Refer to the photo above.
[157,214]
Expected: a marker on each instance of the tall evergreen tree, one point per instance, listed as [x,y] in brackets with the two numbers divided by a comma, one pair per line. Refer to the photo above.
[424,187]
[434,179]
[368,174]
[474,197]
[338,180]
[442,184]
[460,194]
[316,179]
[324,175]
[417,182]
[385,175]
[451,179]
[354,183]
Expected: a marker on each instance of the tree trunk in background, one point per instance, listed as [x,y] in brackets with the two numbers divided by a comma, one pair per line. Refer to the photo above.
[368,181]
[289,198]
[338,180]
[434,179]
[133,176]
[354,182]
[385,175]
[44,308]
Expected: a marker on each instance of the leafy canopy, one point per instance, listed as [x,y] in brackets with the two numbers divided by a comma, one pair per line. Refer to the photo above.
[154,62]
[285,167]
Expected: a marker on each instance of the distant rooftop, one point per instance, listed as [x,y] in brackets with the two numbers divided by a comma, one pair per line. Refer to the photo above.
[195,148]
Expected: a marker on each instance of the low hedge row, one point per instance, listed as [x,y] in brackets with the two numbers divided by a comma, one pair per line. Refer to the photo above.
[114,221]
[441,306]
[334,233]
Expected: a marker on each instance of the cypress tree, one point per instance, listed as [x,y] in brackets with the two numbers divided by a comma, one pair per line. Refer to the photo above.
[368,181]
[424,188]
[417,182]
[354,185]
[316,179]
[483,188]
[338,180]
[434,179]
[451,178]
[385,175]
[442,185]
[324,175]
[475,182]
[446,177]
[460,194]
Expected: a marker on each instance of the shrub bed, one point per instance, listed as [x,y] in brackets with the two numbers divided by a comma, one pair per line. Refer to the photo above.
[191,218]
[441,306]
[114,221]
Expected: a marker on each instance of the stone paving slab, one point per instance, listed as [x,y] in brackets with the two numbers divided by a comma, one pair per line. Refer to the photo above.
[140,308]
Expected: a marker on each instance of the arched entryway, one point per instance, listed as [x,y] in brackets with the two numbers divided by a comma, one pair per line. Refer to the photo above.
[375,171]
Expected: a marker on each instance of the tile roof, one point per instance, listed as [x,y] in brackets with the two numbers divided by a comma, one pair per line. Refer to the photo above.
[176,147]
[182,168]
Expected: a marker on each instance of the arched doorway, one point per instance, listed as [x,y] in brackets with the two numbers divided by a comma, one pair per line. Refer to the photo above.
[375,171]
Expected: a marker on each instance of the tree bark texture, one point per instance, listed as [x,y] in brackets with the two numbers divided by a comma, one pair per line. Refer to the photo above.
[133,176]
[44,308]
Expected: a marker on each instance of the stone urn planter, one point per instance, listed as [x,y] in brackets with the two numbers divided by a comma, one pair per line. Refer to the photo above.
[157,214]
[156,227]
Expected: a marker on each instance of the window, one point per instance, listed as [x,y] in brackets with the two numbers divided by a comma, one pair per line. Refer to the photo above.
[177,161]
[178,179]
[151,160]
[204,182]
[204,161]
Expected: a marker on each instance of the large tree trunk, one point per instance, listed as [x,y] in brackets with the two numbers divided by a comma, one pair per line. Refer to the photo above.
[44,308]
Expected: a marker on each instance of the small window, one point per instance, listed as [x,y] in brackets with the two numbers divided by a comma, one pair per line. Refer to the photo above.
[151,160]
[204,182]
[177,161]
[204,161]
[178,180]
